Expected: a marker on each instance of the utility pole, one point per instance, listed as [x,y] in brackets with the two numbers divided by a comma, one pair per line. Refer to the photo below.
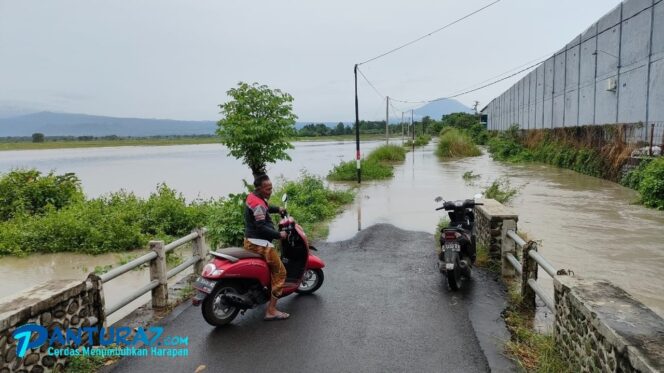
[387,120]
[357,132]
[412,124]
[402,123]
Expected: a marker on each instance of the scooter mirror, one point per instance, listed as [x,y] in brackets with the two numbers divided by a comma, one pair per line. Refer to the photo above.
[284,198]
[438,199]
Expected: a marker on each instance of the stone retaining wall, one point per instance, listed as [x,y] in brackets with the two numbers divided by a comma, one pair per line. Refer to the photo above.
[63,304]
[599,327]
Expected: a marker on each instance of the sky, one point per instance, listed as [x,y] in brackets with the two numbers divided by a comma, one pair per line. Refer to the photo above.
[176,59]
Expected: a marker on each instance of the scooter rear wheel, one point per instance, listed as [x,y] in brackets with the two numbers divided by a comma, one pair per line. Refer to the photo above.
[215,312]
[454,276]
[311,281]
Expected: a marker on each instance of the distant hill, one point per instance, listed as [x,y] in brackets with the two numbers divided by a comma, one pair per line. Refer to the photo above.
[63,124]
[437,109]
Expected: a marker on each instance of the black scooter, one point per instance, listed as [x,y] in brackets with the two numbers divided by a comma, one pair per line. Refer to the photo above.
[457,241]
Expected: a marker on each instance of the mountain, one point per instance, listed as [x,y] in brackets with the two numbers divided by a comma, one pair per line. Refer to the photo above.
[437,109]
[64,124]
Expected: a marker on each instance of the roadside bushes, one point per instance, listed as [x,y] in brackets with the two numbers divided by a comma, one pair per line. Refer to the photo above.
[648,180]
[28,192]
[121,221]
[455,143]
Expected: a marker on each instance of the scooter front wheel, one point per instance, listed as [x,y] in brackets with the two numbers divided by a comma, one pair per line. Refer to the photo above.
[311,281]
[215,311]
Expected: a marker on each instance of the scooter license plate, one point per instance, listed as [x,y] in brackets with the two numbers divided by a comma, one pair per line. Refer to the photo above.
[454,246]
[204,285]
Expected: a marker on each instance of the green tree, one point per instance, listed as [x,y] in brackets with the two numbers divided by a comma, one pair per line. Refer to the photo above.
[37,137]
[257,125]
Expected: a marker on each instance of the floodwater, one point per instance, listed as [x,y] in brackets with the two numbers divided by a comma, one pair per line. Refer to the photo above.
[584,224]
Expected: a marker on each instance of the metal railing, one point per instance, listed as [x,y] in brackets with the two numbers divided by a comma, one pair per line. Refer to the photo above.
[158,284]
[528,271]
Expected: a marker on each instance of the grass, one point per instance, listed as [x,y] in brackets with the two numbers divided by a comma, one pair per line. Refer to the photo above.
[371,170]
[387,153]
[532,351]
[8,145]
[420,140]
[63,144]
[376,166]
[455,144]
[501,191]
[84,364]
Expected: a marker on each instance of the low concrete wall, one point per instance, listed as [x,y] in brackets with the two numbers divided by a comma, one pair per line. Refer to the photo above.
[490,219]
[63,304]
[599,327]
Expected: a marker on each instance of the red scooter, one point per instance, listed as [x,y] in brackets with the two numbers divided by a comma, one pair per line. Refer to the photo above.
[237,279]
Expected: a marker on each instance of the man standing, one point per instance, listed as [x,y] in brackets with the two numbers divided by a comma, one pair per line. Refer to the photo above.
[258,233]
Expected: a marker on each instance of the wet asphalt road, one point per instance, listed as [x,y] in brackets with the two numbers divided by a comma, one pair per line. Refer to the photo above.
[382,308]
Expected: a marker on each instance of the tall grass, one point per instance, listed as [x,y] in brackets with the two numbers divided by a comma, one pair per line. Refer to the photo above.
[388,153]
[371,170]
[454,143]
[376,166]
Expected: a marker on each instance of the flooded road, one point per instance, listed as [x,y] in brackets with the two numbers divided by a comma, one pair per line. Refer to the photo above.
[585,224]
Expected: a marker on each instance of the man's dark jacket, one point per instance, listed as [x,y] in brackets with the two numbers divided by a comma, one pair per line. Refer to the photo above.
[257,221]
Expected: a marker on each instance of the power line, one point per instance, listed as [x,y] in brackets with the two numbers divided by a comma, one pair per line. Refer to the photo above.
[429,34]
[468,91]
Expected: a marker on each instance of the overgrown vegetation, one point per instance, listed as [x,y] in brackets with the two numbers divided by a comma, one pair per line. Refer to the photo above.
[420,140]
[454,143]
[388,153]
[500,190]
[376,166]
[121,221]
[648,179]
[532,351]
[591,150]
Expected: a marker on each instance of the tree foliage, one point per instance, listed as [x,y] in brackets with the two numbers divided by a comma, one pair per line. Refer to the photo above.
[257,125]
[37,137]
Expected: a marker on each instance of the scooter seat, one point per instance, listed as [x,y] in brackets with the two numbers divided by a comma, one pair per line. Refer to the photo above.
[238,252]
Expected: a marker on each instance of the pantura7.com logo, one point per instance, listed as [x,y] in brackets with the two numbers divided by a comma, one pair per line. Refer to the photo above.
[113,341]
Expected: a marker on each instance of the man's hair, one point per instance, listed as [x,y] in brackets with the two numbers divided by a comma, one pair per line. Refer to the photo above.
[258,181]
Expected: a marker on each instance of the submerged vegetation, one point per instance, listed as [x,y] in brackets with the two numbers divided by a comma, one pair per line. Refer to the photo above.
[420,140]
[592,150]
[500,190]
[376,166]
[648,180]
[45,219]
[455,143]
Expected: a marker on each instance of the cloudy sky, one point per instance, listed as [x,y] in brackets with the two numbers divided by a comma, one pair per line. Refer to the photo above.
[176,59]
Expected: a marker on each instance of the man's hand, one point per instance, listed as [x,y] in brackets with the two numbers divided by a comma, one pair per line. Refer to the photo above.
[282,210]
